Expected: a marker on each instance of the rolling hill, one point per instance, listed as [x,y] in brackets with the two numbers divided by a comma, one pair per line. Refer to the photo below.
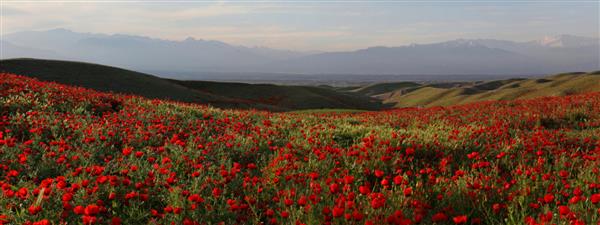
[223,95]
[102,78]
[510,89]
[382,88]
[272,97]
[287,97]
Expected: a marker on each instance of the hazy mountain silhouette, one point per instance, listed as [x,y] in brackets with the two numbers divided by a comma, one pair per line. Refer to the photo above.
[139,52]
[463,56]
[10,50]
[455,57]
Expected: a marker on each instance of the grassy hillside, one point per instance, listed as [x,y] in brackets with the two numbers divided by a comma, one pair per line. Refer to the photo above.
[224,95]
[103,78]
[440,95]
[286,97]
[381,88]
[290,98]
[71,155]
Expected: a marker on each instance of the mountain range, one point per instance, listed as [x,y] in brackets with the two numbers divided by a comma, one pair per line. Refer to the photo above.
[464,56]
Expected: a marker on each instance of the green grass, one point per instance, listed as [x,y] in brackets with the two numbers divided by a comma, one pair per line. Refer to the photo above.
[285,97]
[511,89]
[381,88]
[309,111]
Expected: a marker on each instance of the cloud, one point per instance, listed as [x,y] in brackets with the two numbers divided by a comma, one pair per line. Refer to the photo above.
[194,11]
[10,11]
[297,25]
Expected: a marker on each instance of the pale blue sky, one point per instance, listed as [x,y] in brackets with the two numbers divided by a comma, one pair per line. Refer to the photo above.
[311,25]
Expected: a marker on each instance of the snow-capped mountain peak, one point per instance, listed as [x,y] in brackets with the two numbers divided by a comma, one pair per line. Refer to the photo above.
[570,41]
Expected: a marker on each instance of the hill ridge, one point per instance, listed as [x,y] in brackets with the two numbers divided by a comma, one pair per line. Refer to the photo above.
[107,78]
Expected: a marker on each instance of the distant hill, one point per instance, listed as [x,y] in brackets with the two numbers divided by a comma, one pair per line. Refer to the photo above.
[224,95]
[461,93]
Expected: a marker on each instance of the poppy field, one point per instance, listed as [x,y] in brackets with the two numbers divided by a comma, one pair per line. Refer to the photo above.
[70,155]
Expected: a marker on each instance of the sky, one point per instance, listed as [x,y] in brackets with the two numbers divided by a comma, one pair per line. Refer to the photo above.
[330,25]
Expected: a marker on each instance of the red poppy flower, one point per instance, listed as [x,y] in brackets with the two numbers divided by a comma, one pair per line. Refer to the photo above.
[91,210]
[564,210]
[34,209]
[595,198]
[408,191]
[337,211]
[548,198]
[460,219]
[439,217]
